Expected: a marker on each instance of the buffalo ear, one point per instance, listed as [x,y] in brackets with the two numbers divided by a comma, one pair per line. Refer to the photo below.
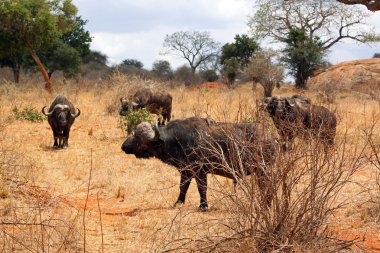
[158,133]
[290,101]
[267,101]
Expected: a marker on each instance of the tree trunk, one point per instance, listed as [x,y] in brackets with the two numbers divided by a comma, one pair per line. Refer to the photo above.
[300,80]
[16,72]
[268,88]
[42,69]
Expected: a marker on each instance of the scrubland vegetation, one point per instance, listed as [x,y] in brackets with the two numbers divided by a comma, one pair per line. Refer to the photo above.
[94,198]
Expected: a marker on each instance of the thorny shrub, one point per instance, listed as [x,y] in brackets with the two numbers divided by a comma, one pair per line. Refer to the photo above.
[374,143]
[28,113]
[130,121]
[303,187]
[28,218]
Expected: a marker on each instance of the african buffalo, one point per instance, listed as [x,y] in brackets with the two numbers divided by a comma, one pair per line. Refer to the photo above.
[297,116]
[197,147]
[159,103]
[61,116]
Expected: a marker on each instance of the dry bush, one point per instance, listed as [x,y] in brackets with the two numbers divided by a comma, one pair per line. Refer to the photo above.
[123,85]
[374,157]
[287,209]
[326,91]
[28,218]
[371,88]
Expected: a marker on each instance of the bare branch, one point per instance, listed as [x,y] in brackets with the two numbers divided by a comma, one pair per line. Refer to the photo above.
[328,20]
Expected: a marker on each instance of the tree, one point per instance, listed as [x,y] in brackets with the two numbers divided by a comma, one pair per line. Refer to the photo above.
[236,55]
[78,37]
[96,57]
[209,75]
[186,75]
[127,63]
[195,47]
[67,51]
[242,50]
[12,54]
[230,70]
[264,70]
[36,24]
[162,69]
[329,22]
[303,55]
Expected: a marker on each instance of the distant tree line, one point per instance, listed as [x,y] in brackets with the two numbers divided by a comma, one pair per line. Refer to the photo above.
[49,36]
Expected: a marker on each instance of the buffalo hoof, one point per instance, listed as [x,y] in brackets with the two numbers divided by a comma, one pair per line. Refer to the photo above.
[179,203]
[64,147]
[203,208]
[55,147]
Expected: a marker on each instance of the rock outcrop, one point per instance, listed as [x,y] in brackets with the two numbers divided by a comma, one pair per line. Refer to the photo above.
[348,75]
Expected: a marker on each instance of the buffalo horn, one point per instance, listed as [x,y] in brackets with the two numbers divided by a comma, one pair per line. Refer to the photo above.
[55,107]
[290,101]
[46,114]
[145,130]
[76,114]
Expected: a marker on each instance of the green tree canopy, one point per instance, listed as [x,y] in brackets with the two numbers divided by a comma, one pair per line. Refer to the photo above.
[303,55]
[96,57]
[131,63]
[12,53]
[66,52]
[242,50]
[235,56]
[162,68]
[36,24]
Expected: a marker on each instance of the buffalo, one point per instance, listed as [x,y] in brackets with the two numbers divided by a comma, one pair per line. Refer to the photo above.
[197,147]
[297,116]
[61,116]
[159,103]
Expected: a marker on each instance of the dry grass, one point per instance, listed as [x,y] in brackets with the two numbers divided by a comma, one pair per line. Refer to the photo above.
[148,187]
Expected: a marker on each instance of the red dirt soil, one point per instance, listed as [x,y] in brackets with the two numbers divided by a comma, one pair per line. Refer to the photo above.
[369,239]
[211,85]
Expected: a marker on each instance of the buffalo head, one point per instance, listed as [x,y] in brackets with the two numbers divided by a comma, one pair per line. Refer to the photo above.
[124,107]
[143,142]
[61,113]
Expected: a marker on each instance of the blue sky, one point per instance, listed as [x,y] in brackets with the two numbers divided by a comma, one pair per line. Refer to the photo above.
[124,29]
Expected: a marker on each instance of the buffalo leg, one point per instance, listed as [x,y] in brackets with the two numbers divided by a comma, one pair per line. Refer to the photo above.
[66,133]
[186,177]
[201,179]
[55,145]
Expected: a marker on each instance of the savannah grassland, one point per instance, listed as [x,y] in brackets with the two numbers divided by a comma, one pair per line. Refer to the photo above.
[44,191]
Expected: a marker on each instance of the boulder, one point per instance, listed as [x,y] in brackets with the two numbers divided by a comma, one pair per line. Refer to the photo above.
[348,75]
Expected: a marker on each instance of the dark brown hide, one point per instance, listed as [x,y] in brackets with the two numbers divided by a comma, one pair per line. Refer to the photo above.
[197,147]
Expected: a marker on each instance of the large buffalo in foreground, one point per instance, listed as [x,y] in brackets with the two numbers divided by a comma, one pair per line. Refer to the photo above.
[297,116]
[197,147]
[61,116]
[159,103]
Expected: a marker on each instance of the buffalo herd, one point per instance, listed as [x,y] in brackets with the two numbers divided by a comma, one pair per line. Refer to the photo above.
[197,146]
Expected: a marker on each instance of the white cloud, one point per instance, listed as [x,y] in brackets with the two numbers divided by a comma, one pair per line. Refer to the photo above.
[124,29]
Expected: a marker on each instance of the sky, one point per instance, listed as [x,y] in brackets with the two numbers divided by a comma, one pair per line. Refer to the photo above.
[135,29]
